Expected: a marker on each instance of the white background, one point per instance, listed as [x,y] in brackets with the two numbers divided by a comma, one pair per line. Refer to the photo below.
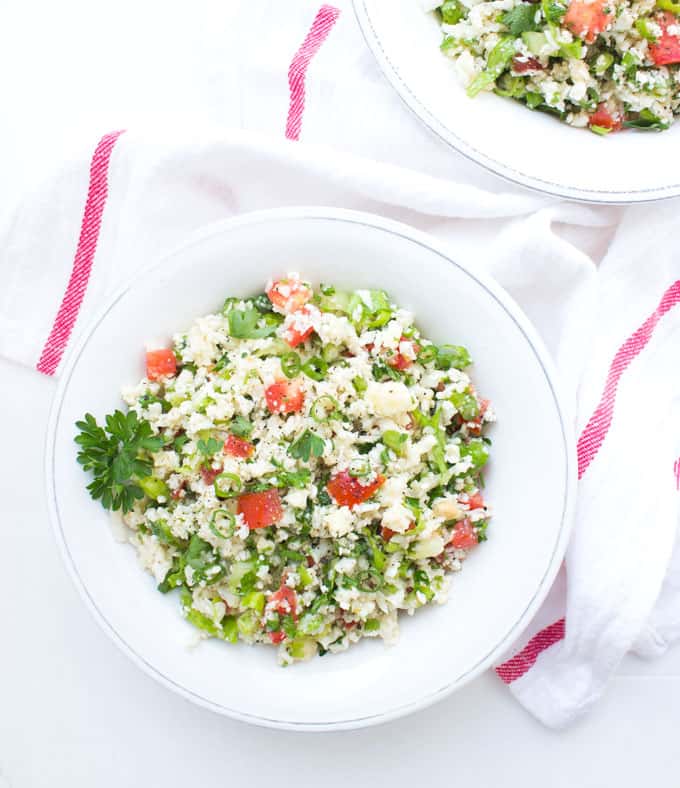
[73,710]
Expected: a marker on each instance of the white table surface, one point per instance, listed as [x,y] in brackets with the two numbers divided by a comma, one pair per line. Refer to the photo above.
[73,710]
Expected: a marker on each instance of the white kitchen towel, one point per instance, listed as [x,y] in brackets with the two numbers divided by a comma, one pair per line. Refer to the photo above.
[602,286]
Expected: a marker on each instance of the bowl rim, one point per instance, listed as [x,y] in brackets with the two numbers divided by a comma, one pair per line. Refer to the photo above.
[450,138]
[408,234]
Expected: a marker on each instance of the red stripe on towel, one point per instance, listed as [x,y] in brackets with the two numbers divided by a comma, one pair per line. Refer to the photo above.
[589,444]
[519,664]
[321,27]
[597,427]
[82,263]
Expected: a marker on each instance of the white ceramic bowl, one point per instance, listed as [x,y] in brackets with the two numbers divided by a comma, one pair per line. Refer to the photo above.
[529,484]
[529,148]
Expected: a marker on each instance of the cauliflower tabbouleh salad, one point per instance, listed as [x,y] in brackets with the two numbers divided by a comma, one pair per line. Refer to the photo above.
[601,64]
[301,466]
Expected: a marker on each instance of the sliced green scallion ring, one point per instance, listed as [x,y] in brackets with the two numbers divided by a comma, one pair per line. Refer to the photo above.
[222,523]
[291,364]
[228,485]
[315,368]
[427,354]
[324,408]
[359,468]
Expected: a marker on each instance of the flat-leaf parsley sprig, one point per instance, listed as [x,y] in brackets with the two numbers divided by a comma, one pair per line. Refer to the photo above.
[116,455]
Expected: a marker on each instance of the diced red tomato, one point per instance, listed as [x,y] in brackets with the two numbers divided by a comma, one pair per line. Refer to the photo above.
[524,65]
[587,19]
[285,396]
[299,325]
[288,295]
[399,360]
[388,533]
[210,474]
[476,501]
[603,118]
[284,602]
[464,536]
[160,363]
[474,427]
[347,490]
[260,509]
[178,493]
[277,637]
[349,624]
[666,49]
[237,447]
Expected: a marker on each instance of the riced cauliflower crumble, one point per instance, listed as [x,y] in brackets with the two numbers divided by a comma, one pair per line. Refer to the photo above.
[300,466]
[601,64]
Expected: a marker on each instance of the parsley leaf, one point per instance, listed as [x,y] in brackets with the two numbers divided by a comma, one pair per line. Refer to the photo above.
[116,456]
[240,427]
[307,445]
[520,19]
[209,447]
[646,119]
[297,479]
[553,11]
[249,323]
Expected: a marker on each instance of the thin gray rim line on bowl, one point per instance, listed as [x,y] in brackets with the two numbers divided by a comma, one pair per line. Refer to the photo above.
[450,138]
[406,233]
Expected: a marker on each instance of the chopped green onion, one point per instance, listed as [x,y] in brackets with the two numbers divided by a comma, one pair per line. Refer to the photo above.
[218,519]
[371,625]
[427,354]
[153,487]
[466,404]
[359,384]
[369,309]
[454,356]
[291,364]
[369,580]
[315,368]
[311,624]
[254,600]
[359,468]
[324,408]
[477,452]
[230,629]
[202,621]
[302,648]
[497,61]
[394,440]
[602,63]
[247,623]
[669,5]
[452,11]
[379,559]
[601,130]
[642,26]
[228,485]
